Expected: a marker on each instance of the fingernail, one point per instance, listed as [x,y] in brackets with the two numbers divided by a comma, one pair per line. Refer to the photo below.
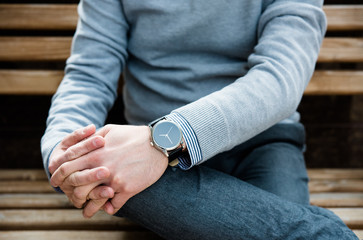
[101,174]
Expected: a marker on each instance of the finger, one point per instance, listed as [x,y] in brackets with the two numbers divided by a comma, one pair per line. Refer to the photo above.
[103,131]
[67,168]
[78,135]
[67,189]
[77,151]
[108,208]
[79,194]
[68,193]
[86,177]
[92,207]
[101,192]
[118,201]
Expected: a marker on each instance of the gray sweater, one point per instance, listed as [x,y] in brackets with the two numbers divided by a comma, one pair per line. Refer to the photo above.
[231,68]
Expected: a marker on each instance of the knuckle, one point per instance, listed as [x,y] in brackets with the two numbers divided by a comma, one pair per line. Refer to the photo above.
[124,187]
[70,153]
[53,162]
[63,170]
[118,181]
[89,178]
[77,132]
[51,167]
[88,145]
[78,195]
[73,180]
[128,188]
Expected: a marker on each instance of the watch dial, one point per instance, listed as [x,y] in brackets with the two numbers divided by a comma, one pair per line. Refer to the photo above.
[166,135]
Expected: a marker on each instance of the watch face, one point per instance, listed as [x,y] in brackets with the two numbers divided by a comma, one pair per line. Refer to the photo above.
[166,135]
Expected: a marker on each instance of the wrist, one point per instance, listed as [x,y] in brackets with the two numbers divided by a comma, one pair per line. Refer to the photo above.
[160,157]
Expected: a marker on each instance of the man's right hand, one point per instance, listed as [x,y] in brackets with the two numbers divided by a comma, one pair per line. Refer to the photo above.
[75,145]
[82,185]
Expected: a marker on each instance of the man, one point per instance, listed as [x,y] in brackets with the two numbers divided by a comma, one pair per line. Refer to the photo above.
[218,84]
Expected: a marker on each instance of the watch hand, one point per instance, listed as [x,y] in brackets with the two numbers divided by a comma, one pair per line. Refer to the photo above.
[169,138]
[169,131]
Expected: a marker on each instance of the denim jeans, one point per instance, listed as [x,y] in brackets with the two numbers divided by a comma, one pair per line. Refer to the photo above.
[258,190]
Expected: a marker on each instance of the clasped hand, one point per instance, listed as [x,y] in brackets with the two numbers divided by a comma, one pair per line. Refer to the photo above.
[103,169]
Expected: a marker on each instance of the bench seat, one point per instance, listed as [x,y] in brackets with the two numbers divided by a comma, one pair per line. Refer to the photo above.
[30,208]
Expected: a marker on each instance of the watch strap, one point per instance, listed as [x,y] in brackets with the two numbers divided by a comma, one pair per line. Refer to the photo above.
[175,154]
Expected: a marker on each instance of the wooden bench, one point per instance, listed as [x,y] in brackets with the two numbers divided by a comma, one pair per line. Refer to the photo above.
[34,43]
[29,207]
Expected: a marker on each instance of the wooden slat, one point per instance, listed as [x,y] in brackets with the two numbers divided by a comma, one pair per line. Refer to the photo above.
[79,235]
[344,17]
[58,49]
[38,16]
[60,201]
[341,50]
[359,233]
[89,235]
[335,83]
[25,187]
[321,180]
[337,200]
[73,219]
[352,217]
[319,173]
[34,48]
[336,186]
[64,17]
[327,173]
[44,82]
[31,201]
[61,219]
[22,174]
[314,186]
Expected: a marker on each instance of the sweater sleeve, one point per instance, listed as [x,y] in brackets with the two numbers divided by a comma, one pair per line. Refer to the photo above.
[289,38]
[89,87]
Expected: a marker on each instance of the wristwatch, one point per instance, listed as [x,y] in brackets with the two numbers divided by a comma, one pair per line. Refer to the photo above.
[167,137]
